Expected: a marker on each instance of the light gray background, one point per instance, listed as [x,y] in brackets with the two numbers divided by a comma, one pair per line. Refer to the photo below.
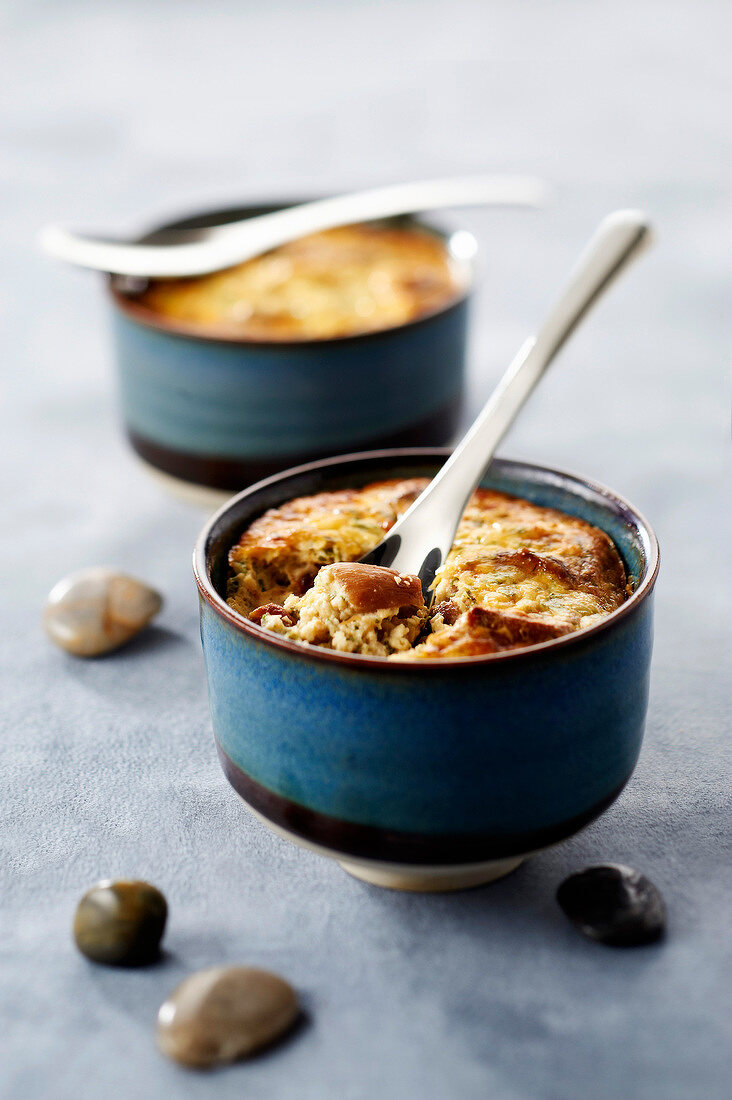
[113,114]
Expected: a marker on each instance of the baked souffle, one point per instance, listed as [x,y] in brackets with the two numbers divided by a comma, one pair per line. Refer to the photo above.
[339,282]
[517,574]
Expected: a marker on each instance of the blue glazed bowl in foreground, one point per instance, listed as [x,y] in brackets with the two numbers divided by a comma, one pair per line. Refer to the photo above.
[429,774]
[224,412]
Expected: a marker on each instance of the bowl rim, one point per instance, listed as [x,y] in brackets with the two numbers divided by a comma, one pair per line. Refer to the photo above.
[147,318]
[207,591]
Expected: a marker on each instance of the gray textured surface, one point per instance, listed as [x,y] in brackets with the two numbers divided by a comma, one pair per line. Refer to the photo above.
[114,113]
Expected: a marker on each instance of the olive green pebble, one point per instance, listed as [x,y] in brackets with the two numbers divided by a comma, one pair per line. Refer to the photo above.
[120,923]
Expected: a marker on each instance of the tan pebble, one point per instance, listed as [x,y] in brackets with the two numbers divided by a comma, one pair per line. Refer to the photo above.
[97,610]
[223,1014]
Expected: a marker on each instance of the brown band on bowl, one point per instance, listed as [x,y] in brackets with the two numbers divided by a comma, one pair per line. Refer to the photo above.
[216,472]
[369,842]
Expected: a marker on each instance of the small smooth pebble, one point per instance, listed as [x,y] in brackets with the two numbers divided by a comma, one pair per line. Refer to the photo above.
[224,1014]
[97,610]
[121,923]
[614,904]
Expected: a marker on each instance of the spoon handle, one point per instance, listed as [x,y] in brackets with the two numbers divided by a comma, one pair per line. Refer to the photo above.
[617,241]
[235,242]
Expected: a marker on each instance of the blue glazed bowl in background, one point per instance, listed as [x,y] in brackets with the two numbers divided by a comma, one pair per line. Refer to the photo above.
[429,774]
[224,412]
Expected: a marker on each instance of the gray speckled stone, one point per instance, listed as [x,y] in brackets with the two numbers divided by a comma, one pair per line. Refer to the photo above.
[224,1014]
[97,610]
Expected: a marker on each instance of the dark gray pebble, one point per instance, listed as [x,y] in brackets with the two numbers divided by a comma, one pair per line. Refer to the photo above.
[120,923]
[614,904]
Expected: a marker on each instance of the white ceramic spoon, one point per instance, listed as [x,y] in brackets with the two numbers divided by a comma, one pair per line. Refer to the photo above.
[179,253]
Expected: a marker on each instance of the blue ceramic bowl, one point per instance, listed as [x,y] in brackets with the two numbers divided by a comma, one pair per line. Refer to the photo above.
[223,413]
[431,774]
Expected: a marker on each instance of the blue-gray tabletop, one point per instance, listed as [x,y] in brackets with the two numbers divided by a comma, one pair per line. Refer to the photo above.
[113,115]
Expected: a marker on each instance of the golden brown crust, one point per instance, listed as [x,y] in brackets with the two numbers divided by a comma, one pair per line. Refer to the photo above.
[518,573]
[481,631]
[339,282]
[373,588]
[282,551]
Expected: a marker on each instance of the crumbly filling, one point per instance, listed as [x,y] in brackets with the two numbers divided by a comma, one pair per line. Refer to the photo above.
[517,574]
[325,616]
[282,551]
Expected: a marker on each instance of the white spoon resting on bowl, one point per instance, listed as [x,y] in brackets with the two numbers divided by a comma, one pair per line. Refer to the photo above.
[419,541]
[178,253]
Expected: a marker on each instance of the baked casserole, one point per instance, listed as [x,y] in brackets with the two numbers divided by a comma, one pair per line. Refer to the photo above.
[517,574]
[339,282]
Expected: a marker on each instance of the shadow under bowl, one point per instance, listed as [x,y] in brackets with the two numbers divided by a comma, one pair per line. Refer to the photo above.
[431,774]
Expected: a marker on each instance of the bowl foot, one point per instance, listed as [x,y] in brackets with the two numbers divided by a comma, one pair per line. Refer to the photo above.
[430,879]
[400,876]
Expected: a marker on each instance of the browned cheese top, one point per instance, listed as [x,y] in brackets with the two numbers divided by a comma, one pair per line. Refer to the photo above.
[339,282]
[373,588]
[517,574]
